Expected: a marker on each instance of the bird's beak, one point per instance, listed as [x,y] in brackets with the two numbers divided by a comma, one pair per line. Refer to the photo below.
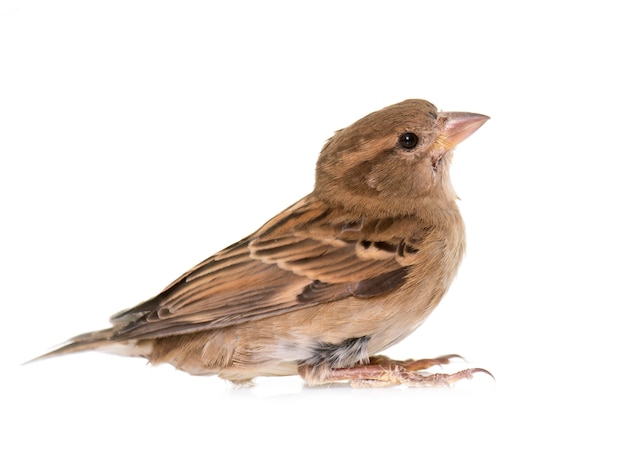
[457,126]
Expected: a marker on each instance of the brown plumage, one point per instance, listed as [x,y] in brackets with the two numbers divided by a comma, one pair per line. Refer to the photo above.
[347,271]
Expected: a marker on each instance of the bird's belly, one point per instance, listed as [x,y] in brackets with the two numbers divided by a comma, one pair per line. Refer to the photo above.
[274,346]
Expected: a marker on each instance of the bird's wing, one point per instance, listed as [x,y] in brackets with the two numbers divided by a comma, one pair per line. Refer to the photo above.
[307,255]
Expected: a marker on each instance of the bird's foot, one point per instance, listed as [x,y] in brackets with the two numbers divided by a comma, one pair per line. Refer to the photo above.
[383,371]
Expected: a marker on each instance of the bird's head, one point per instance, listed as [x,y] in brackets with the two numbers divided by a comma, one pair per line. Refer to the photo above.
[393,161]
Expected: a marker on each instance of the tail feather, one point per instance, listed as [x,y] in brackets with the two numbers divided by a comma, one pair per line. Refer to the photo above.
[97,340]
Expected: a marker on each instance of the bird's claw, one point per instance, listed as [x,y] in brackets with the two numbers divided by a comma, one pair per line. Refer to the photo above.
[383,371]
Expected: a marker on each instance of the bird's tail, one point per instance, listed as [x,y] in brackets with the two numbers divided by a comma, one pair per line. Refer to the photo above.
[98,340]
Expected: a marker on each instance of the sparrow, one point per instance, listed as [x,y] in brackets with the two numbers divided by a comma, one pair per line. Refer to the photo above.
[323,287]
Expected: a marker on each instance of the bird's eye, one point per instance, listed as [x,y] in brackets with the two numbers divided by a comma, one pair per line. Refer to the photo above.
[408,140]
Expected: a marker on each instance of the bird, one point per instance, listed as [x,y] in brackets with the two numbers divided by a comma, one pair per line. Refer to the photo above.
[326,285]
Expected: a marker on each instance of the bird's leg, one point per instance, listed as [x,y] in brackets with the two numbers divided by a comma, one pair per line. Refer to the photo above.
[413,365]
[383,371]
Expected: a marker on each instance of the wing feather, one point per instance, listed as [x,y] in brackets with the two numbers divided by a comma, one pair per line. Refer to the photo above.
[305,256]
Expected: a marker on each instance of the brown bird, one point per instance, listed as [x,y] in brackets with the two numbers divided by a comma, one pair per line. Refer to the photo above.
[320,289]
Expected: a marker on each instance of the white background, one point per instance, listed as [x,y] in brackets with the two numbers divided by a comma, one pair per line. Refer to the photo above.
[139,137]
